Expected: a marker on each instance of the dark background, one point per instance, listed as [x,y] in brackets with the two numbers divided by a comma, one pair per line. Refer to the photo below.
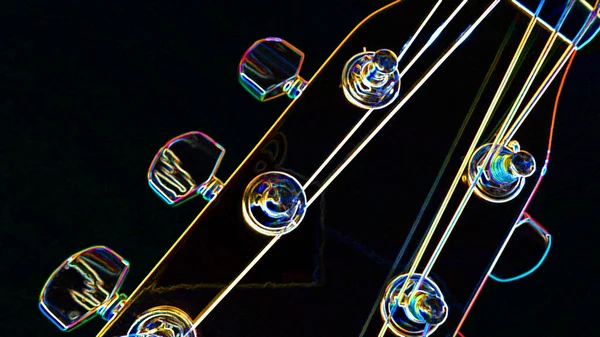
[89,92]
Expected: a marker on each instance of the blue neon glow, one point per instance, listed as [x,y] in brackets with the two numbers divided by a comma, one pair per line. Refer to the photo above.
[525,274]
[589,40]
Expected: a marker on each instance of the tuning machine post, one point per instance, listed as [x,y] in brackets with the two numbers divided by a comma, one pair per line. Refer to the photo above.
[185,167]
[84,286]
[371,80]
[416,312]
[504,175]
[270,68]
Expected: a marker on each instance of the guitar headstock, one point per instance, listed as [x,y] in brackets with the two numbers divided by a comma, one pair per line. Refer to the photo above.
[410,234]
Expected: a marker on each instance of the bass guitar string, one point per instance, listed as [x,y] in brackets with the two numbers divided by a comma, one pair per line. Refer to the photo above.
[526,51]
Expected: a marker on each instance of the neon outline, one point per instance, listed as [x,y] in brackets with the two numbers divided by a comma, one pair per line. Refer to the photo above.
[324,64]
[196,189]
[90,314]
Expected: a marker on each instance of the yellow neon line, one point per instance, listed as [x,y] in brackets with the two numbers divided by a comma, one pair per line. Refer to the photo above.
[213,304]
[337,149]
[139,288]
[536,97]
[530,78]
[467,158]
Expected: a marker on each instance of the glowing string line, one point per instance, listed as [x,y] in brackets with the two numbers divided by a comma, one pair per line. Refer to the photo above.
[412,39]
[337,149]
[488,157]
[478,135]
[433,37]
[458,42]
[213,304]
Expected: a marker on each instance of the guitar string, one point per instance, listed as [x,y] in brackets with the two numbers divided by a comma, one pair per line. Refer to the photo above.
[498,125]
[495,151]
[457,178]
[355,152]
[433,36]
[547,81]
[221,295]
[433,188]
[337,149]
[418,31]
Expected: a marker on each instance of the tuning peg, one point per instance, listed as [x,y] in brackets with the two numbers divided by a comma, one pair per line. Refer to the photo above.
[270,68]
[186,167]
[85,285]
[523,250]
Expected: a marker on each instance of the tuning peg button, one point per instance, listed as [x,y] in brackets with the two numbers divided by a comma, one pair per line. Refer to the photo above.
[185,167]
[84,285]
[270,68]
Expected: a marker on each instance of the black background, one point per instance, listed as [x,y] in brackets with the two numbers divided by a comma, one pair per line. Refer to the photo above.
[90,90]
